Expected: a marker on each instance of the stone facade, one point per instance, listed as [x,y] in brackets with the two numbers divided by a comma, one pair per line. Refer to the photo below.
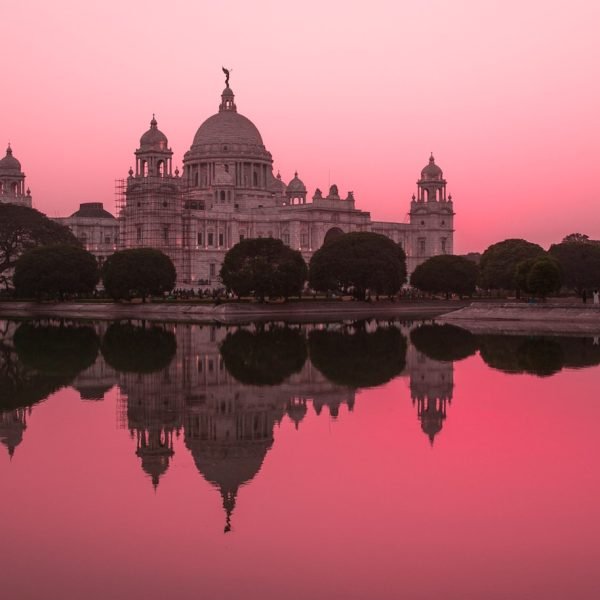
[227,192]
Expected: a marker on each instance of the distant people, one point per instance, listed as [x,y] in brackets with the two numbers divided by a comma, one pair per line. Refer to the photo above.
[584,296]
[596,297]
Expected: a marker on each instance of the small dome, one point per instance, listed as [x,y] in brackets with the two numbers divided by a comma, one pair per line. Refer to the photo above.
[154,138]
[431,171]
[296,185]
[9,162]
[92,210]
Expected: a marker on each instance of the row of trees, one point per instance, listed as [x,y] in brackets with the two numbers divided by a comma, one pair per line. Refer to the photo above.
[355,263]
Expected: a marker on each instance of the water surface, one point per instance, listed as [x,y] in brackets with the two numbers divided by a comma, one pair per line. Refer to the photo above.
[349,460]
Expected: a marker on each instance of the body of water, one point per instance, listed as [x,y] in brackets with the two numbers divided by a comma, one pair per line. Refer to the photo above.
[343,460]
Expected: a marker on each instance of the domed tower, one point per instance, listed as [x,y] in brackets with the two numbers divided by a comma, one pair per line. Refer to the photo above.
[150,209]
[296,191]
[431,217]
[12,181]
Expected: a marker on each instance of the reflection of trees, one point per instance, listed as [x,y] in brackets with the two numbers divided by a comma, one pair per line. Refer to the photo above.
[356,357]
[444,342]
[580,352]
[515,354]
[62,351]
[138,349]
[41,360]
[264,357]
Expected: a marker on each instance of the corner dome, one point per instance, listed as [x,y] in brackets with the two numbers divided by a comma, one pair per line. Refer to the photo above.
[432,171]
[9,162]
[296,185]
[154,138]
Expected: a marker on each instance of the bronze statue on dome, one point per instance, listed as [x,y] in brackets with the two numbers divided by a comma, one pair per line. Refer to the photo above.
[226,71]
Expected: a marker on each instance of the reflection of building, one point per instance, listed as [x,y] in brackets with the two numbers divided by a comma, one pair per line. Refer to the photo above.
[12,425]
[12,181]
[431,386]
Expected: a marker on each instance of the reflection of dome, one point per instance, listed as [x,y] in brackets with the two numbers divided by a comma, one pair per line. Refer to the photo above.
[155,463]
[154,138]
[432,425]
[296,411]
[431,171]
[228,466]
[296,185]
[9,162]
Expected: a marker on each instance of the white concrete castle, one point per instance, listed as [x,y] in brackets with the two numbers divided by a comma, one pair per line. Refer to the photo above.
[227,192]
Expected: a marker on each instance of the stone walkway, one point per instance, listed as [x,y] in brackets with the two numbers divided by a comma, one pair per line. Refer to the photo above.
[522,318]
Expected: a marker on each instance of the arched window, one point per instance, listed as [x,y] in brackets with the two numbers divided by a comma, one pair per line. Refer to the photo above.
[160,168]
[255,179]
[14,187]
[222,196]
[196,179]
[145,168]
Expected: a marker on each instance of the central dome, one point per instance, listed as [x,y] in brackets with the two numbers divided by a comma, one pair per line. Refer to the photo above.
[228,132]
[228,127]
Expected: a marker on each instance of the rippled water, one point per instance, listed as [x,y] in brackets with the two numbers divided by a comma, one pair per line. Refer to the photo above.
[349,460]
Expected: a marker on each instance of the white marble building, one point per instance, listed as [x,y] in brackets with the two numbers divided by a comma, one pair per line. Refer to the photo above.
[227,192]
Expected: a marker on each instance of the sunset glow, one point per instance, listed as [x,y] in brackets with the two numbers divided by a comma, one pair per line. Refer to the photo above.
[505,94]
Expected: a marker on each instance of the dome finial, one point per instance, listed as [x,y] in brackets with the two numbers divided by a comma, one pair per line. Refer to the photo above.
[8,150]
[431,159]
[153,123]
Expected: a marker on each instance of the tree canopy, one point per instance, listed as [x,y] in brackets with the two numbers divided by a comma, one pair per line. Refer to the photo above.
[446,274]
[357,262]
[138,272]
[133,349]
[263,357]
[23,228]
[356,357]
[580,263]
[263,267]
[499,262]
[55,270]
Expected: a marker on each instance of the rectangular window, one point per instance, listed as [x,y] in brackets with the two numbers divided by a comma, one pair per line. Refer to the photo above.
[421,246]
[107,239]
[200,239]
[242,237]
[212,269]
[211,239]
[165,234]
[304,240]
[285,238]
[221,239]
[443,240]
[139,233]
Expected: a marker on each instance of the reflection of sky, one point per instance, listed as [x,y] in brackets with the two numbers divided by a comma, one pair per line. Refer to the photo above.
[505,504]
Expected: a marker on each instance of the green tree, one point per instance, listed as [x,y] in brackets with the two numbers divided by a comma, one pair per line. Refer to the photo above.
[499,262]
[138,272]
[358,358]
[576,237]
[358,262]
[446,274]
[23,228]
[580,264]
[55,271]
[445,343]
[129,348]
[263,357]
[263,267]
[544,277]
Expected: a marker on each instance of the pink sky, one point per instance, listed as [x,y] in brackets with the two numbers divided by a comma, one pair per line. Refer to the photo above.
[505,93]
